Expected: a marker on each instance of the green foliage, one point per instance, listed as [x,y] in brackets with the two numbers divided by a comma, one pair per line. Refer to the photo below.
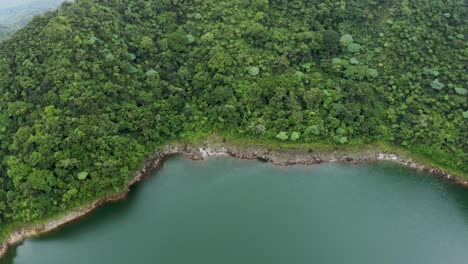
[346,39]
[372,73]
[151,73]
[343,140]
[306,65]
[282,136]
[337,61]
[313,129]
[433,72]
[353,47]
[340,131]
[331,41]
[461,91]
[146,43]
[82,175]
[190,38]
[299,75]
[437,85]
[178,40]
[354,61]
[465,114]
[92,40]
[295,136]
[257,127]
[95,86]
[254,71]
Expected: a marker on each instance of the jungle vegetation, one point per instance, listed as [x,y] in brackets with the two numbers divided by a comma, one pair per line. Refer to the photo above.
[88,90]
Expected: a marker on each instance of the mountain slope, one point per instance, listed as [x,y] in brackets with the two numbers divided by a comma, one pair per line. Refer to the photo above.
[90,89]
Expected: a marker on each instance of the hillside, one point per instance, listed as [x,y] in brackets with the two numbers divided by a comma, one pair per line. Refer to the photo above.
[90,89]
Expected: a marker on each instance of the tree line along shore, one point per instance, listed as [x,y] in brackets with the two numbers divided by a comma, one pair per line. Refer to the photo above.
[92,88]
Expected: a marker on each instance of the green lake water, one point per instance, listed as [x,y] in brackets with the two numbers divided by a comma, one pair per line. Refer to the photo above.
[224,211]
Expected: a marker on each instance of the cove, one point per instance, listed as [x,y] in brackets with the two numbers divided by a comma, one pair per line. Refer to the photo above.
[236,211]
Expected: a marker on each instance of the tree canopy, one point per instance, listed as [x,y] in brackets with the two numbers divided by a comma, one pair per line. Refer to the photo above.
[91,88]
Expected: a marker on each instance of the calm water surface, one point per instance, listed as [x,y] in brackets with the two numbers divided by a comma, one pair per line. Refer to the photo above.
[224,211]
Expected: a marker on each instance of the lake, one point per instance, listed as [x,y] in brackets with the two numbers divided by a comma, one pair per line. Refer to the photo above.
[223,211]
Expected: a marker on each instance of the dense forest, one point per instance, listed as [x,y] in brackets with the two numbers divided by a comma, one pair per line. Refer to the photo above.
[89,89]
[15,14]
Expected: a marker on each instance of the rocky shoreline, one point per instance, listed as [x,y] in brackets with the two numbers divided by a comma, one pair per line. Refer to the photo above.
[277,157]
[303,158]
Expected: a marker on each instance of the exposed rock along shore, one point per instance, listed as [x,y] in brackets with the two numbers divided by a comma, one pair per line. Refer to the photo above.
[303,158]
[199,153]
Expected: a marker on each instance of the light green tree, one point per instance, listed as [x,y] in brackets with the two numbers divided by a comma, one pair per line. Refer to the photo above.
[346,39]
[436,84]
[295,136]
[282,136]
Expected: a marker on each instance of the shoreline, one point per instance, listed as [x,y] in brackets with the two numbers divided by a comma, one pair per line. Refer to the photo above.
[151,163]
[201,152]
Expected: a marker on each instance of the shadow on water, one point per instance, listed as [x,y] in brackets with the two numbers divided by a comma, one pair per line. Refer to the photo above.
[449,190]
[8,259]
[98,217]
[460,196]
